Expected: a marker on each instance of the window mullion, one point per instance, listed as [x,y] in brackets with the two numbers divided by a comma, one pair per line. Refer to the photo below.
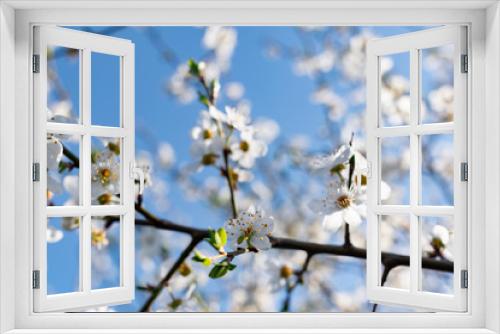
[85,245]
[414,171]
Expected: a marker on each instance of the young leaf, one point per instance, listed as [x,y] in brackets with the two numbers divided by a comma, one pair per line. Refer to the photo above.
[198,257]
[203,99]
[193,68]
[223,236]
[218,271]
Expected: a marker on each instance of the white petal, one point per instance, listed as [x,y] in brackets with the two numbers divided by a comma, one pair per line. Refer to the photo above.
[351,217]
[260,242]
[196,132]
[442,233]
[70,184]
[333,221]
[385,191]
[53,234]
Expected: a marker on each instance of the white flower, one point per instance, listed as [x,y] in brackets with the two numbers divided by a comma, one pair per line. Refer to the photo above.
[54,183]
[179,87]
[234,90]
[99,237]
[247,149]
[266,129]
[105,177]
[206,130]
[166,155]
[320,63]
[354,60]
[441,102]
[61,112]
[334,162]
[236,118]
[251,229]
[71,186]
[70,223]
[438,243]
[341,205]
[54,235]
[220,39]
[54,152]
[335,104]
[207,153]
[442,234]
[351,301]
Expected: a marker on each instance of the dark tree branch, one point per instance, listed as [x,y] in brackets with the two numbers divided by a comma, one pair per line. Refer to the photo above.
[389,260]
[71,156]
[383,279]
[291,286]
[156,290]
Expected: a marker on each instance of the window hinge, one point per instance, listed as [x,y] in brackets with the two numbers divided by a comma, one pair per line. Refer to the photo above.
[464,171]
[36,279]
[464,279]
[36,172]
[464,64]
[36,63]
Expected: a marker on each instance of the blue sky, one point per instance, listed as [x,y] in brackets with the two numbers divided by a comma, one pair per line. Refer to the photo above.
[271,86]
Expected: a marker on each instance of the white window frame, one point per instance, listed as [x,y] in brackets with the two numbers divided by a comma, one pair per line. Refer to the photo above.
[87,43]
[16,20]
[412,44]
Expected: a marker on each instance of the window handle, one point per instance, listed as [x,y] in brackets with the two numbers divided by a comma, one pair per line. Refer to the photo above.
[137,171]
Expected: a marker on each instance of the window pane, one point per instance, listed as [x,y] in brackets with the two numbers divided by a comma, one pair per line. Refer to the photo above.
[106,252]
[437,84]
[63,167]
[63,256]
[395,165]
[437,169]
[63,85]
[395,238]
[395,89]
[105,89]
[106,170]
[437,243]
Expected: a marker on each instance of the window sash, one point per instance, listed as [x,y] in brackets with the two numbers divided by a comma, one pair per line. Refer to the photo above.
[412,43]
[86,43]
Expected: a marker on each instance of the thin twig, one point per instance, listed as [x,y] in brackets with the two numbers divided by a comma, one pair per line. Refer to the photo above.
[299,280]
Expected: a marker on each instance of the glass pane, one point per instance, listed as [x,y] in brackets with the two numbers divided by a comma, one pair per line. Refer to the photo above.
[395,165]
[395,238]
[63,167]
[437,84]
[437,243]
[63,85]
[63,256]
[105,252]
[437,169]
[105,90]
[395,89]
[106,170]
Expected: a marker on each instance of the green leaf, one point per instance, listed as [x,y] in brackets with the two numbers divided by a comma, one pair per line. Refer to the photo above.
[193,68]
[241,238]
[175,303]
[223,236]
[217,240]
[198,257]
[203,99]
[221,269]
[207,261]
[218,271]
